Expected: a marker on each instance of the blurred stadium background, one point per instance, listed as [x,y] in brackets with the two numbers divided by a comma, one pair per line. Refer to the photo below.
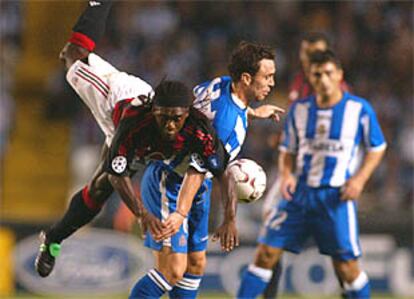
[49,142]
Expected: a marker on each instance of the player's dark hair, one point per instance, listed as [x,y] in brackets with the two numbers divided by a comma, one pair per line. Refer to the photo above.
[322,57]
[172,94]
[246,57]
[313,37]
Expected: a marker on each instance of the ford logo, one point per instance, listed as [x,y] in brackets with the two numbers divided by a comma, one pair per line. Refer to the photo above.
[93,262]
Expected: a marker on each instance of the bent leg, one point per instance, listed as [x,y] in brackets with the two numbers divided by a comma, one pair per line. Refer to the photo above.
[188,286]
[257,276]
[355,282]
[169,268]
[84,206]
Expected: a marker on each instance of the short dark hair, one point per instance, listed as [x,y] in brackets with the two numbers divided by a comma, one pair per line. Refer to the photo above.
[321,57]
[313,37]
[172,94]
[246,57]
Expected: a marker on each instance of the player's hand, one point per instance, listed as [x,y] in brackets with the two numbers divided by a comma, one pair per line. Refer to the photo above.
[288,186]
[352,188]
[268,111]
[153,224]
[228,236]
[172,225]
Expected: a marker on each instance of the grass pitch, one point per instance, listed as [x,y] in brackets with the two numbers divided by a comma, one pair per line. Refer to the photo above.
[201,296]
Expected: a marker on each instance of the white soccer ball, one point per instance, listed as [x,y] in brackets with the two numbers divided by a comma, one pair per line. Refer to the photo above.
[250,179]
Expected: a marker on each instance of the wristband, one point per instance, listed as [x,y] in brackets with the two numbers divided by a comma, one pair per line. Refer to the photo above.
[181,214]
[82,40]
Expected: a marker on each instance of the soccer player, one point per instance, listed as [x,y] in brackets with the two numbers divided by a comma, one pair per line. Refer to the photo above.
[300,87]
[323,135]
[186,232]
[225,100]
[160,125]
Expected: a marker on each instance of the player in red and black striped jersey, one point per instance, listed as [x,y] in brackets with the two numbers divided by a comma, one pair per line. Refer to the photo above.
[160,132]
[160,125]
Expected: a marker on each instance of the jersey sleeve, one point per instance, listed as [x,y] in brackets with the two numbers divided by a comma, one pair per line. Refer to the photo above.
[207,151]
[372,134]
[216,162]
[289,141]
[90,80]
[121,151]
[205,93]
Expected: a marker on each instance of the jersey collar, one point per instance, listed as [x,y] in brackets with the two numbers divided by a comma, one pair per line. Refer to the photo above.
[238,101]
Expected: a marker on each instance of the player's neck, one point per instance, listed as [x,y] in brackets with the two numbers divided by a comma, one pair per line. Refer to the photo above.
[239,92]
[329,101]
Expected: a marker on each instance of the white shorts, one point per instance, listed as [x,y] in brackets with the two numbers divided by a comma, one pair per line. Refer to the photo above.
[101,86]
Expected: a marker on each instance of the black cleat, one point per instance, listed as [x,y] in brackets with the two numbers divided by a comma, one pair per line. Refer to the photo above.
[48,252]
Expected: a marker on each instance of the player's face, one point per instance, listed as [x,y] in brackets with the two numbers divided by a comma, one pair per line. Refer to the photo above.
[170,120]
[325,78]
[264,80]
[306,50]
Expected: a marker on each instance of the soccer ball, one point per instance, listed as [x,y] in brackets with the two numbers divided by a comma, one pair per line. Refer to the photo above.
[250,179]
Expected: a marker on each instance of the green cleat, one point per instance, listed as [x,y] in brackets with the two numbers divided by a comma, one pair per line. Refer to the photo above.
[48,252]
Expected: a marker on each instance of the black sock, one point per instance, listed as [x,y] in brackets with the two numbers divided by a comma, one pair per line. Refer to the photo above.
[273,286]
[77,215]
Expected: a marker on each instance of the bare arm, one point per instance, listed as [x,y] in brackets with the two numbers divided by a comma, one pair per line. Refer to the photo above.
[191,184]
[264,112]
[227,231]
[354,186]
[123,185]
[288,180]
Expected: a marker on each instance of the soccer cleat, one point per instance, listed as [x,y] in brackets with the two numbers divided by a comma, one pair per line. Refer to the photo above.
[48,252]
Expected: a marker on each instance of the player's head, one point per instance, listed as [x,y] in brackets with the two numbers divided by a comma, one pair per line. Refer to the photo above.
[171,104]
[325,73]
[253,66]
[311,42]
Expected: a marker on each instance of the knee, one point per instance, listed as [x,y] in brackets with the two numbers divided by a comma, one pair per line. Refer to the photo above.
[173,274]
[196,264]
[347,271]
[266,256]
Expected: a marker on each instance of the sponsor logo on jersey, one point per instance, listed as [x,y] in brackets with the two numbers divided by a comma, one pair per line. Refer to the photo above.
[326,145]
[119,164]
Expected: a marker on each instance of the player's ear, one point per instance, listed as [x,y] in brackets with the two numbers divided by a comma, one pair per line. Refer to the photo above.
[246,78]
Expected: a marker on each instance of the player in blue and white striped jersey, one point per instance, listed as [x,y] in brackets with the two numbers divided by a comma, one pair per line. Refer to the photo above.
[225,100]
[323,136]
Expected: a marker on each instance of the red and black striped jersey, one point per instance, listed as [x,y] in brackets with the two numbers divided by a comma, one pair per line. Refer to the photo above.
[137,137]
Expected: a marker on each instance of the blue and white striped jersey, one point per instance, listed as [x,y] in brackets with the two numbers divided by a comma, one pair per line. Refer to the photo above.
[327,141]
[227,113]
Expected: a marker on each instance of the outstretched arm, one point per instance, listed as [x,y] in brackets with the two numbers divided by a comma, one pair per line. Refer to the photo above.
[264,112]
[87,31]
